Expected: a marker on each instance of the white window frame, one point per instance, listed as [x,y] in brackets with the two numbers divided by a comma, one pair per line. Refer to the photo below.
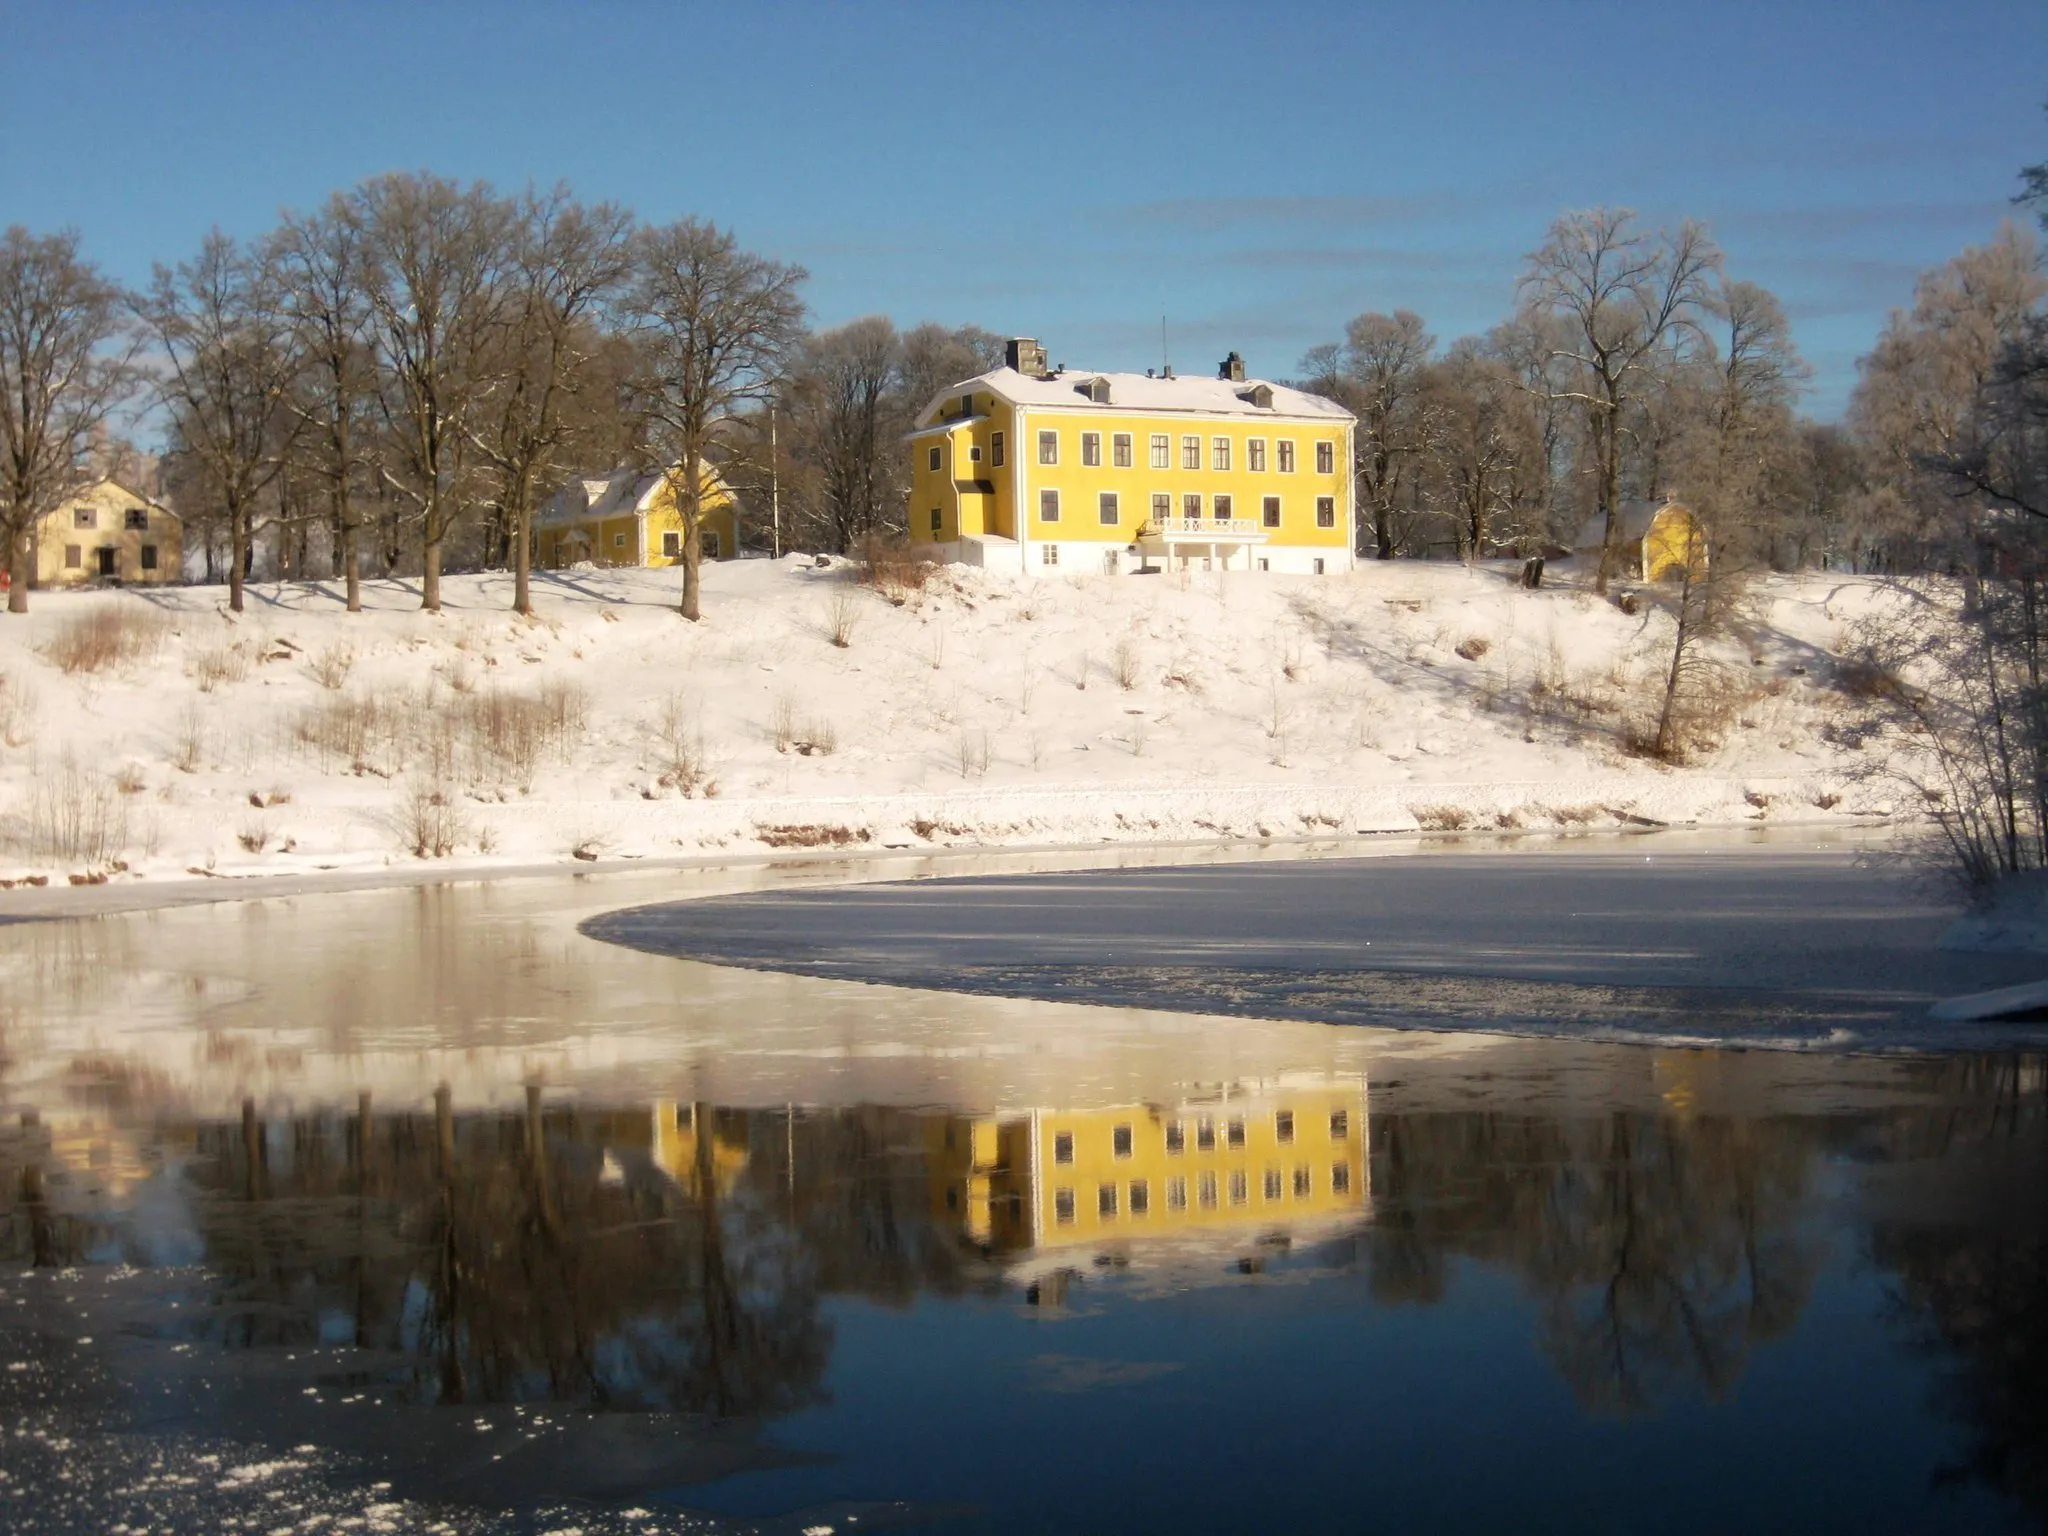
[1162,450]
[934,458]
[1269,512]
[1108,509]
[671,544]
[1219,455]
[1048,445]
[1091,450]
[1326,456]
[1222,507]
[1048,504]
[1122,454]
[1191,506]
[1162,506]
[1283,454]
[1190,452]
[1255,455]
[1048,554]
[1326,511]
[995,450]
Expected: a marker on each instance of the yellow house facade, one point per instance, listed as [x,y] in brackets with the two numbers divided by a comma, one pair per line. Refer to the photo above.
[109,533]
[1662,539]
[1051,471]
[1057,1178]
[631,517]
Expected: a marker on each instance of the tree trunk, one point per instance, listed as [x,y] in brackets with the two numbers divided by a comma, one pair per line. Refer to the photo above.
[22,568]
[693,543]
[351,571]
[522,561]
[1608,454]
[430,579]
[238,541]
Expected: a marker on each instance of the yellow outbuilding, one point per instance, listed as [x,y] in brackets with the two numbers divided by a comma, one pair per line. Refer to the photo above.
[630,517]
[1660,539]
[108,533]
[1046,470]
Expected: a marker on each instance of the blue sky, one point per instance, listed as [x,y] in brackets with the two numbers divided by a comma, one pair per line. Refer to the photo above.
[1257,174]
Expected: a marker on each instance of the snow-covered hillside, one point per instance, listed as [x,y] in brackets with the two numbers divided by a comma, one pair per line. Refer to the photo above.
[983,708]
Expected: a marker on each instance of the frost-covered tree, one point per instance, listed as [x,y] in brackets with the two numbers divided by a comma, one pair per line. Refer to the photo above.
[65,367]
[1380,373]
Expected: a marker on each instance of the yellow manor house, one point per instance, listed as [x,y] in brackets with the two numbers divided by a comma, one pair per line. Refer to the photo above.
[1049,470]
[631,517]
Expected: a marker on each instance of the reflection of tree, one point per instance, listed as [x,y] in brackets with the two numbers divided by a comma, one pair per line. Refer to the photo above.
[1660,1249]
[1970,1275]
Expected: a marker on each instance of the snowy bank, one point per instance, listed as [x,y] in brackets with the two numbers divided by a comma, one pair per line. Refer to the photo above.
[156,735]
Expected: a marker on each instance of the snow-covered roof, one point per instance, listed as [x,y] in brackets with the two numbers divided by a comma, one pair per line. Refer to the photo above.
[1190,395]
[617,494]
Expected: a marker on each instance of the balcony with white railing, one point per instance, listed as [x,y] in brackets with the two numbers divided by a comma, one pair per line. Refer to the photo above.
[1202,530]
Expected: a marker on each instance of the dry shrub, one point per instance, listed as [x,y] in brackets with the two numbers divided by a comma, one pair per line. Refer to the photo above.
[782,724]
[1472,647]
[75,816]
[491,734]
[678,739]
[842,618]
[816,737]
[893,569]
[431,821]
[810,835]
[1443,818]
[17,711]
[1574,815]
[972,752]
[219,664]
[1124,664]
[105,635]
[350,729]
[128,779]
[1868,676]
[1826,800]
[188,745]
[331,667]
[254,835]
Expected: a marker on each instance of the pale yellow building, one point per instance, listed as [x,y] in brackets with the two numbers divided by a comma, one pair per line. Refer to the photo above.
[108,533]
[1054,471]
[630,517]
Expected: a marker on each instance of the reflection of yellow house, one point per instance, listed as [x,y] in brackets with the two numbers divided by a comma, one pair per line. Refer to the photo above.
[1663,539]
[1054,1178]
[676,1149]
[108,533]
[630,517]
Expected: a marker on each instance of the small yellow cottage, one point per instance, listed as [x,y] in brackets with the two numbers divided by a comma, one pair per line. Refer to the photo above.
[108,533]
[629,517]
[1659,540]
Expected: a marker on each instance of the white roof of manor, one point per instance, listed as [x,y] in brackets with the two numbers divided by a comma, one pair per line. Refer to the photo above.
[623,491]
[1192,395]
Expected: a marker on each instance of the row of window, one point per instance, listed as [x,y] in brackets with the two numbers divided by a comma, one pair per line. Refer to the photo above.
[1222,508]
[1121,449]
[108,557]
[1123,1138]
[136,519]
[1122,444]
[1111,1199]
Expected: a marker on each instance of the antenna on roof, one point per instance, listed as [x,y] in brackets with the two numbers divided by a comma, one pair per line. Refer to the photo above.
[1165,358]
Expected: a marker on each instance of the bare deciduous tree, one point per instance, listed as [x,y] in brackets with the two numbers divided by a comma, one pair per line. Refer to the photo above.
[228,357]
[567,264]
[846,416]
[436,282]
[1379,373]
[319,262]
[716,322]
[1628,296]
[64,369]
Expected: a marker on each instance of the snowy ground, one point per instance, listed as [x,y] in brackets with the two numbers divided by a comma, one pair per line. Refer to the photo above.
[984,709]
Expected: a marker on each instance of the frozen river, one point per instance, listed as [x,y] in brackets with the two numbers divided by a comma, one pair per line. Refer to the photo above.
[437,1209]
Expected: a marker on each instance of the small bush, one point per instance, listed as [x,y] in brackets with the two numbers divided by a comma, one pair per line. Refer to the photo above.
[105,635]
[678,740]
[17,711]
[254,835]
[1124,665]
[1443,818]
[219,664]
[810,835]
[1472,647]
[332,666]
[75,816]
[188,745]
[816,738]
[893,569]
[1867,677]
[128,780]
[782,724]
[971,751]
[842,618]
[431,821]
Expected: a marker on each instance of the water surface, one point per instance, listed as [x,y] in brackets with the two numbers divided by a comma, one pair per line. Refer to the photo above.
[425,1209]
